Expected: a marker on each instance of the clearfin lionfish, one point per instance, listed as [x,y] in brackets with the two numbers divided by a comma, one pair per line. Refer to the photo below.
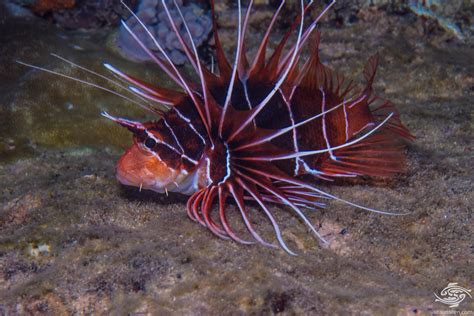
[249,130]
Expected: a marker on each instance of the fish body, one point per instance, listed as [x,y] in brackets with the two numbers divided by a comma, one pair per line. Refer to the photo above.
[250,130]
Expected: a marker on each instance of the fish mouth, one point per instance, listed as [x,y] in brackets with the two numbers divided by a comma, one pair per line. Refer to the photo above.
[128,179]
[137,170]
[130,171]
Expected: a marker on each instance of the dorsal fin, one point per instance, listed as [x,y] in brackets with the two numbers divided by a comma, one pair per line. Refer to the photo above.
[259,61]
[225,69]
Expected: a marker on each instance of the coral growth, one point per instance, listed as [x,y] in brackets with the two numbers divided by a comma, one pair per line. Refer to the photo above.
[92,14]
[153,15]
[42,7]
[441,12]
[74,14]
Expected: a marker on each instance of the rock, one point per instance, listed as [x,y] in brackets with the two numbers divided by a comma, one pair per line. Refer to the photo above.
[154,17]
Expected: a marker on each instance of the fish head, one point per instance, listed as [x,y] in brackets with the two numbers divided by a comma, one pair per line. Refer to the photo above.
[142,164]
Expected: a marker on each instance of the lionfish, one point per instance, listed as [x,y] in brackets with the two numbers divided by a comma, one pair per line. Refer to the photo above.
[250,130]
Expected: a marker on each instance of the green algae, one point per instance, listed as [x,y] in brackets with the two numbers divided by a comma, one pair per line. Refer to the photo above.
[48,111]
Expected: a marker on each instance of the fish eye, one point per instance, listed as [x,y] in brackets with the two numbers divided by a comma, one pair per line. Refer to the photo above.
[150,143]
